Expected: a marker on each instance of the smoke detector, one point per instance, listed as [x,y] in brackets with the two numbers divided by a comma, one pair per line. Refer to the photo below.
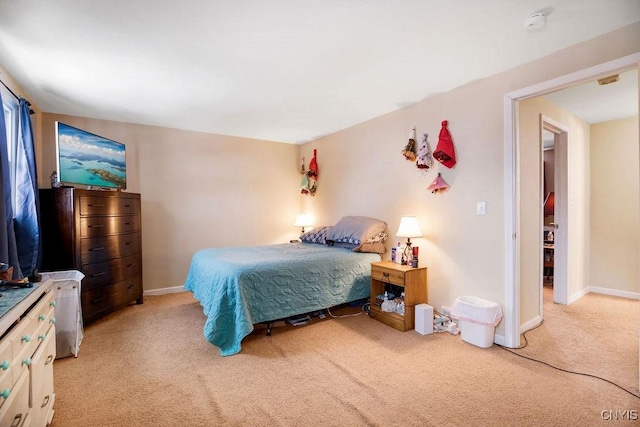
[535,21]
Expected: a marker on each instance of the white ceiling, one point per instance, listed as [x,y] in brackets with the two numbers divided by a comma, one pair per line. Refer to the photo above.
[594,103]
[281,70]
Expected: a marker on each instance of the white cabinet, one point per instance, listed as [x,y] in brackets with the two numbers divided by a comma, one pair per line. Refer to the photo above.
[27,351]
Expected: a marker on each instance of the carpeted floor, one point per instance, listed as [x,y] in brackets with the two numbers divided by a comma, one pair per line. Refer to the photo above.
[150,365]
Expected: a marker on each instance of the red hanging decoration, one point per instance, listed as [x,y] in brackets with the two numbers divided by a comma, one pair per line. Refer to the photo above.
[445,153]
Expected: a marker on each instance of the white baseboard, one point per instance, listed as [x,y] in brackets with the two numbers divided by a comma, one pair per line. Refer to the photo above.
[576,296]
[614,292]
[536,321]
[499,339]
[163,291]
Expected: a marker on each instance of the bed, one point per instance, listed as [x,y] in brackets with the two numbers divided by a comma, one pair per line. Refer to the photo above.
[239,287]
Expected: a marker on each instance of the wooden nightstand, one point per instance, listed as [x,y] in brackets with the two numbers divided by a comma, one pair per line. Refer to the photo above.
[414,282]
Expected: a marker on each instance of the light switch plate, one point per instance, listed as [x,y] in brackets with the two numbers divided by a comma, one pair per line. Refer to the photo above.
[481,208]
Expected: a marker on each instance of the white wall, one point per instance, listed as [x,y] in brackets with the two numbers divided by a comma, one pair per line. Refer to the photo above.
[615,211]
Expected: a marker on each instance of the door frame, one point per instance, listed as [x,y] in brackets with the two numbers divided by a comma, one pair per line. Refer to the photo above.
[512,179]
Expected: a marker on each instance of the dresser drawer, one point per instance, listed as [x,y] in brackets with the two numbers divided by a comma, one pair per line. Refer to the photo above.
[387,275]
[114,270]
[24,342]
[43,318]
[93,226]
[97,205]
[14,409]
[105,298]
[96,249]
[42,380]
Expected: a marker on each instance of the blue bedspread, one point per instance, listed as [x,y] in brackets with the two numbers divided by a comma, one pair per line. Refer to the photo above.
[238,287]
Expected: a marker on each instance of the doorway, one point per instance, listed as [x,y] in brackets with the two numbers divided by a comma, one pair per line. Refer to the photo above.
[513,226]
[554,208]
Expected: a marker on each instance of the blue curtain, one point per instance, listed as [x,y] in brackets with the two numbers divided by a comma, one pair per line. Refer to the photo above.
[27,202]
[8,248]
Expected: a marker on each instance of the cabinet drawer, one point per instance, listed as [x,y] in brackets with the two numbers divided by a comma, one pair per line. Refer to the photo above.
[93,226]
[14,409]
[387,275]
[96,205]
[96,249]
[42,380]
[106,298]
[24,342]
[114,270]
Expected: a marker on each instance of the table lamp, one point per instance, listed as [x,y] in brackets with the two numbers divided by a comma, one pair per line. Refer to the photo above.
[303,220]
[408,228]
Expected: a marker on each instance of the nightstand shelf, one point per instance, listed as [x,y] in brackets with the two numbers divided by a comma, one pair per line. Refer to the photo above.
[414,282]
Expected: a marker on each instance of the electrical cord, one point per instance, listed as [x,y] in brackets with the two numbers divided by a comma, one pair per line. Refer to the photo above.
[524,335]
[363,309]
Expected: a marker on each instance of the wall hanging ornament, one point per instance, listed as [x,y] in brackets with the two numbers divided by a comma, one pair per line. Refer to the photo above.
[445,153]
[409,151]
[438,185]
[313,167]
[425,160]
[305,185]
[309,180]
[302,165]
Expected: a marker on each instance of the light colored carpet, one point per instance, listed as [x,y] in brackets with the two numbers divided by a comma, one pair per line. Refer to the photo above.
[150,365]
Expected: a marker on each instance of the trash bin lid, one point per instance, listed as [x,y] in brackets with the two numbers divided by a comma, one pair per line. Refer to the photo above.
[476,310]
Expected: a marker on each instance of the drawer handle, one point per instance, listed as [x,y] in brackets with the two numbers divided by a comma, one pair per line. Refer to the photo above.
[97,300]
[127,206]
[41,337]
[131,286]
[96,226]
[98,274]
[45,402]
[49,360]
[52,304]
[95,206]
[385,276]
[52,320]
[25,338]
[27,361]
[16,420]
[131,265]
[42,317]
[128,243]
[99,248]
[5,393]
[127,223]
[5,365]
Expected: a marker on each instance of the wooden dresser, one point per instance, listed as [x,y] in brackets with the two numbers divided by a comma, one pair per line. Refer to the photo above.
[99,234]
[27,351]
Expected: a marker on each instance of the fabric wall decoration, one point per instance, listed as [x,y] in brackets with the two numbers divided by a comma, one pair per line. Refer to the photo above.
[425,160]
[445,152]
[309,180]
[409,151]
[438,185]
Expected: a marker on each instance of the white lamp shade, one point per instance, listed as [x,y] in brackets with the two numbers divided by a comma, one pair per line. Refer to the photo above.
[409,227]
[303,220]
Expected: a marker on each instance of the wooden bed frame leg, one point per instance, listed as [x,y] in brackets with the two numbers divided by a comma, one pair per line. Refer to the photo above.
[268,329]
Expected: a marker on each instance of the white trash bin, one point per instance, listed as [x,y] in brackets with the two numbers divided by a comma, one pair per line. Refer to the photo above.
[477,319]
[67,312]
